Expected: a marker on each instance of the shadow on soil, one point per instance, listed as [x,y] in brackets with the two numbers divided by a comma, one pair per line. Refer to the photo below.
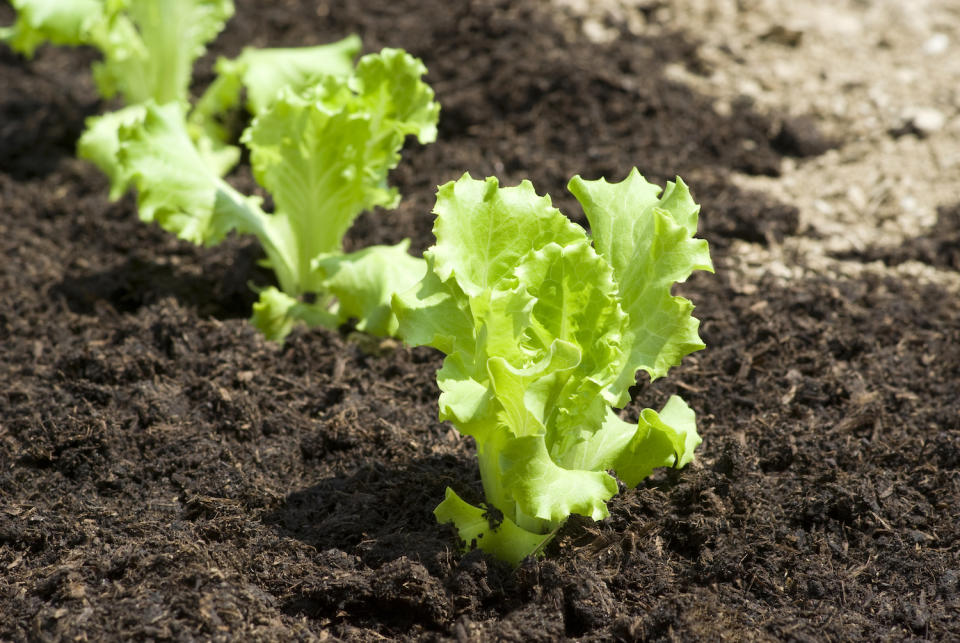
[380,512]
[378,541]
[221,290]
[40,118]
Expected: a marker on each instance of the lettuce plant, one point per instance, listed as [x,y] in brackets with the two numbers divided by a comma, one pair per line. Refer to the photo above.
[323,153]
[544,329]
[323,138]
[148,47]
[148,50]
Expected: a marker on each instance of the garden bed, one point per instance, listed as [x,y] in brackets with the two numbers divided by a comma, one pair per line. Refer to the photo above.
[167,473]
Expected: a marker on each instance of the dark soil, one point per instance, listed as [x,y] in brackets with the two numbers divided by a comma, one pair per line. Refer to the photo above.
[165,473]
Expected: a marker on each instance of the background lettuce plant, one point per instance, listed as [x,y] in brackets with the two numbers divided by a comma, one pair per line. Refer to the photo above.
[148,51]
[545,328]
[323,138]
[148,47]
[323,153]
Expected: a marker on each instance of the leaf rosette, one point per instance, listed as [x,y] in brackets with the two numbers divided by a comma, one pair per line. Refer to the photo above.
[544,328]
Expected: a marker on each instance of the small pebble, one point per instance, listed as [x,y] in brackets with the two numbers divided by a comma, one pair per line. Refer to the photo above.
[926,120]
[823,207]
[596,32]
[908,203]
[949,582]
[857,197]
[936,44]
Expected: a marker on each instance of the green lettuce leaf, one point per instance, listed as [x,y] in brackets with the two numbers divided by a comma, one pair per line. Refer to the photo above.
[648,242]
[479,244]
[364,282]
[100,144]
[61,22]
[149,47]
[664,439]
[434,313]
[148,51]
[176,186]
[262,73]
[275,313]
[325,154]
[390,84]
[542,489]
[477,529]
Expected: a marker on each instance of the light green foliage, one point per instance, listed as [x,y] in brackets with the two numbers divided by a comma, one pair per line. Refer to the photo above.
[324,154]
[544,329]
[651,247]
[176,186]
[264,72]
[276,313]
[62,22]
[148,50]
[100,142]
[364,281]
[148,46]
[323,139]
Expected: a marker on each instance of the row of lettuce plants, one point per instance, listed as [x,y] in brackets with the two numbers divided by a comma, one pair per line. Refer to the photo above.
[544,326]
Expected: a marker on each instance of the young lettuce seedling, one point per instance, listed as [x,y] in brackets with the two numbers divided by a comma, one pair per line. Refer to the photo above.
[324,154]
[544,329]
[149,49]
[323,138]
